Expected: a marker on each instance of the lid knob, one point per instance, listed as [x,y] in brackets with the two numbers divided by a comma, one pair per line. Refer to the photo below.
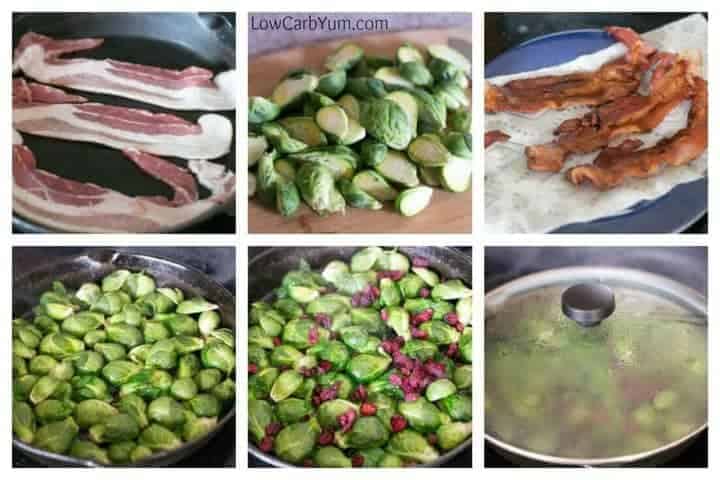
[588,303]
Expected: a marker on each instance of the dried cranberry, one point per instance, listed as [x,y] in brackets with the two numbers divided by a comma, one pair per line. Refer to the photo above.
[432,438]
[327,437]
[277,341]
[398,423]
[452,318]
[459,327]
[384,315]
[421,262]
[308,371]
[313,335]
[359,394]
[419,334]
[357,460]
[395,379]
[452,350]
[323,319]
[436,369]
[346,420]
[411,396]
[422,317]
[424,292]
[375,291]
[389,346]
[368,409]
[266,444]
[272,429]
[324,366]
[252,368]
[399,341]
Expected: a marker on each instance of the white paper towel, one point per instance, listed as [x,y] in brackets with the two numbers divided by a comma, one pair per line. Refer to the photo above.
[518,200]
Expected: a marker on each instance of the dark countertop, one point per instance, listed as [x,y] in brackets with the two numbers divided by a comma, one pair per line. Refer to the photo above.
[504,31]
[216,262]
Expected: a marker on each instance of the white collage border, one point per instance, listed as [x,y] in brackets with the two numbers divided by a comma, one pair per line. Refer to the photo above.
[241,240]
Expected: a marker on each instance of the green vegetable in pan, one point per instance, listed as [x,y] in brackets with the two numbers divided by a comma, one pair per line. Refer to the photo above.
[129,369]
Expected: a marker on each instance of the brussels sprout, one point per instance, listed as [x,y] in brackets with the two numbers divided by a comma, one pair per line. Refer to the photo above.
[140,452]
[412,201]
[295,442]
[88,450]
[305,130]
[440,332]
[19,366]
[375,185]
[88,293]
[198,428]
[318,189]
[453,434]
[81,323]
[292,410]
[156,437]
[205,405]
[397,168]
[120,452]
[118,372]
[46,324]
[59,311]
[411,445]
[367,432]
[331,457]
[60,345]
[218,355]
[43,389]
[22,386]
[52,410]
[117,428]
[41,364]
[109,303]
[287,198]
[351,106]
[281,140]
[293,88]
[386,121]
[56,437]
[23,421]
[139,284]
[89,387]
[124,334]
[166,411]
[261,110]
[155,331]
[136,407]
[208,378]
[185,344]
[260,415]
[257,146]
[451,290]
[93,337]
[92,411]
[420,349]
[356,197]
[422,415]
[451,56]
[225,390]
[466,345]
[188,366]
[440,389]
[365,88]
[365,368]
[462,377]
[115,281]
[285,385]
[458,406]
[345,57]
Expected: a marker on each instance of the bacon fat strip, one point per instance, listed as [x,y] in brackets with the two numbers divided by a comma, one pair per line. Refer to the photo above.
[671,83]
[494,136]
[614,165]
[70,205]
[615,79]
[192,88]
[125,128]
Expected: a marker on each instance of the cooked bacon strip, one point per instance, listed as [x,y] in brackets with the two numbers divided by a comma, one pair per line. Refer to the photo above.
[494,136]
[615,79]
[614,165]
[75,206]
[120,127]
[192,88]
[671,83]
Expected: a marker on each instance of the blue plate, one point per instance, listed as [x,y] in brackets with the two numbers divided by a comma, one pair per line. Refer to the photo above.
[674,211]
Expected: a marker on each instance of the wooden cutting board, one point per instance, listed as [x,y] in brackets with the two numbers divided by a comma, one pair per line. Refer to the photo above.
[447,213]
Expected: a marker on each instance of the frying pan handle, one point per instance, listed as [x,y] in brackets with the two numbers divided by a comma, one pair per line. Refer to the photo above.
[102,255]
[220,26]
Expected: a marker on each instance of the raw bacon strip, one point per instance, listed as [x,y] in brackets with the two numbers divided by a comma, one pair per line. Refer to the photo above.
[671,83]
[494,136]
[123,128]
[28,93]
[181,181]
[192,88]
[615,79]
[75,206]
[614,165]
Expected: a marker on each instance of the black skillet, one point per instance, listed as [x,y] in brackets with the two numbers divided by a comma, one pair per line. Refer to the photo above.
[267,266]
[170,40]
[29,281]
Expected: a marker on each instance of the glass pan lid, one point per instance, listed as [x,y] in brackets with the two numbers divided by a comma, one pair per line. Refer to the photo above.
[632,384]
